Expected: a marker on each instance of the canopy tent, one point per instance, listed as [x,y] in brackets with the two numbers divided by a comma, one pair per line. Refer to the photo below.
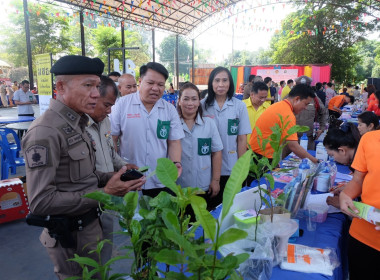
[180,17]
[3,64]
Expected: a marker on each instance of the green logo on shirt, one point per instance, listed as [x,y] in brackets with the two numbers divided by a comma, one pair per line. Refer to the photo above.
[163,128]
[204,146]
[233,126]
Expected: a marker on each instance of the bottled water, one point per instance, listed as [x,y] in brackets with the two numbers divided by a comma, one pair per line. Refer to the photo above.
[304,141]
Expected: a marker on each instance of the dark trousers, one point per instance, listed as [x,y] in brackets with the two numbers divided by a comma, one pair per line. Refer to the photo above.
[213,202]
[362,261]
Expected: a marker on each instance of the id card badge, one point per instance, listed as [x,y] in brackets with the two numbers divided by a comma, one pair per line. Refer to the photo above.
[233,126]
[163,128]
[204,146]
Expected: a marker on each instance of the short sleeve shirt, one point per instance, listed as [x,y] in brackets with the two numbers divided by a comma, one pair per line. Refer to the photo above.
[268,119]
[59,163]
[21,96]
[336,101]
[374,107]
[367,161]
[107,160]
[285,92]
[254,114]
[232,120]
[197,146]
[143,134]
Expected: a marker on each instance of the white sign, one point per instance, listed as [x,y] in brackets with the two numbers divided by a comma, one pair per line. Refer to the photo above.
[129,65]
[278,75]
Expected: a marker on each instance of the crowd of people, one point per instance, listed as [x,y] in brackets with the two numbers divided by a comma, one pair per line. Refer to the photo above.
[74,148]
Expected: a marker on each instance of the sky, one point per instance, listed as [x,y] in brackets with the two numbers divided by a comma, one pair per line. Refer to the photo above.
[253,27]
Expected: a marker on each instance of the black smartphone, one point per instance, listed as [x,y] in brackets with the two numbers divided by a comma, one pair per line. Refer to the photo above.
[131,174]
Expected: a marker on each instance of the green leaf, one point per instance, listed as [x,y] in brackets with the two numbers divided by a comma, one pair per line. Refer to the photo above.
[230,236]
[172,275]
[99,196]
[270,179]
[235,276]
[135,228]
[208,222]
[167,173]
[131,201]
[170,220]
[238,174]
[118,276]
[171,257]
[242,257]
[181,241]
[298,128]
[143,169]
[84,261]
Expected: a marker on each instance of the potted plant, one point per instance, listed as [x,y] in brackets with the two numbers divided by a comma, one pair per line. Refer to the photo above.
[262,168]
[162,238]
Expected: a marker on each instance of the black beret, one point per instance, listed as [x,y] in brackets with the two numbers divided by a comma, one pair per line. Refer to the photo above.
[78,65]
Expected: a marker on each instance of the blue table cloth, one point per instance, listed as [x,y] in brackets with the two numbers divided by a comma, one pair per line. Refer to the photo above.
[333,233]
[6,120]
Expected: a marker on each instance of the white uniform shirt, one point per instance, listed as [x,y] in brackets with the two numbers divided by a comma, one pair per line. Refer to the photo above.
[21,96]
[197,146]
[107,160]
[143,135]
[232,120]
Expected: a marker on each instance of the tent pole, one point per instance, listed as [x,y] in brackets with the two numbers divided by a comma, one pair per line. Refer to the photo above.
[28,45]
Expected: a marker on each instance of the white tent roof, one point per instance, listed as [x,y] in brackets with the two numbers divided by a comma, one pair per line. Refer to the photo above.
[4,64]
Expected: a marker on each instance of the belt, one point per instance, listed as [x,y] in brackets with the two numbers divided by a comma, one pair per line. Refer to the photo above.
[79,222]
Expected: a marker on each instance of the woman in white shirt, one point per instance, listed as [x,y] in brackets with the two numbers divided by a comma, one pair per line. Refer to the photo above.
[201,147]
[231,118]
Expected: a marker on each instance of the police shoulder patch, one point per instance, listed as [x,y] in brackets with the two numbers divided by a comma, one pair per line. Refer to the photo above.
[36,156]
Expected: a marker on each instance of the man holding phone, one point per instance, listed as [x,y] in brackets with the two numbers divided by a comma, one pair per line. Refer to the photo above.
[60,166]
[107,159]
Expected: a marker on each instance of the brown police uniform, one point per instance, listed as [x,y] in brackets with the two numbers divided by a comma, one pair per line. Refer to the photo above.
[60,169]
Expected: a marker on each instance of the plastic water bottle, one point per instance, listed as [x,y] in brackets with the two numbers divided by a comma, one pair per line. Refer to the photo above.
[304,169]
[304,141]
[323,179]
[333,170]
[321,152]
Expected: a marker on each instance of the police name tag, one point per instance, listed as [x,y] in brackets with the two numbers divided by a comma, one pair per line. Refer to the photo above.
[233,126]
[163,128]
[204,146]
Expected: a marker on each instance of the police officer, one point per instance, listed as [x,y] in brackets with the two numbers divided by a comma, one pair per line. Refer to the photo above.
[60,164]
[315,111]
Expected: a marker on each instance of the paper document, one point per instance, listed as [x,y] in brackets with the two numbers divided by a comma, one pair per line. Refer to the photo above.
[341,177]
[320,199]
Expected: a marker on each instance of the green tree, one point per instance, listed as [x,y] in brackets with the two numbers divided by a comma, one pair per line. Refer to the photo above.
[47,33]
[108,37]
[324,32]
[367,54]
[244,57]
[166,51]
